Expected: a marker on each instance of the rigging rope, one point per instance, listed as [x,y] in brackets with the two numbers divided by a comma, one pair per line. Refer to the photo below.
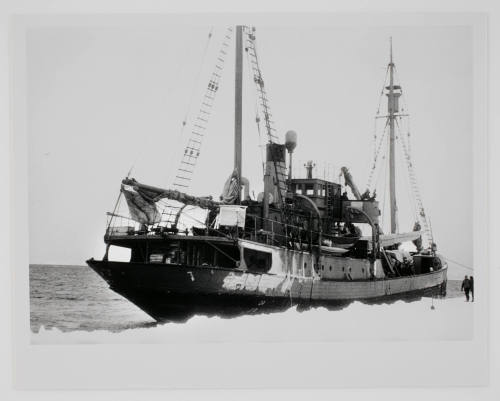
[190,101]
[374,150]
[384,157]
[407,180]
[192,150]
[382,91]
[385,192]
[408,144]
[256,108]
[251,48]
[421,212]
[117,205]
[403,94]
[145,146]
[416,200]
[375,159]
[195,84]
[457,263]
[193,147]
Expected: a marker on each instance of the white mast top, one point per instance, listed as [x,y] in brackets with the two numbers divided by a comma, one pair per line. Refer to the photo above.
[390,41]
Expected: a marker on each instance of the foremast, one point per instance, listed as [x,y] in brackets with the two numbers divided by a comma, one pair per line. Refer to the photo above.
[238,108]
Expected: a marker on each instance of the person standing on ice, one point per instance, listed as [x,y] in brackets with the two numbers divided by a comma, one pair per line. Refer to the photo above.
[471,279]
[466,285]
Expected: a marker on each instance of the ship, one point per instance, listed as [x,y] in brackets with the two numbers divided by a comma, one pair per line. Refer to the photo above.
[297,244]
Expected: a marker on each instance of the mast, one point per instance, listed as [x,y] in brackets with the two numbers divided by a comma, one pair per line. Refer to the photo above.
[392,99]
[238,105]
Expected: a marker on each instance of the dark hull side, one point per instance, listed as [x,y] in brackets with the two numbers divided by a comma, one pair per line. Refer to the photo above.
[176,293]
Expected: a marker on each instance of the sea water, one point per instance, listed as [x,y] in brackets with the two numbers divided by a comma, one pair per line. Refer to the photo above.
[74,299]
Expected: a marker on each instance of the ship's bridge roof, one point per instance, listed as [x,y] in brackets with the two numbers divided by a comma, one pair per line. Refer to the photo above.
[313,181]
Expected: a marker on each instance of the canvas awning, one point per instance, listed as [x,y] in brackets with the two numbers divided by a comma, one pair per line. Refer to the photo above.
[231,216]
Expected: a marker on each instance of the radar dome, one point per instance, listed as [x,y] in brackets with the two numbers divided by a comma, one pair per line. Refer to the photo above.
[290,140]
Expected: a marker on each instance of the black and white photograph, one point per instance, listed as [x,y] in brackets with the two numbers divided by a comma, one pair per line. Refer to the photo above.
[217,181]
[247,170]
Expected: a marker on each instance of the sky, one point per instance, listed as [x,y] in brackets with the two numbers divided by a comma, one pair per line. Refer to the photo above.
[102,99]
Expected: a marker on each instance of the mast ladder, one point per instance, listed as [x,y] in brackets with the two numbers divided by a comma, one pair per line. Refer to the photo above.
[329,200]
[187,165]
[272,136]
[193,147]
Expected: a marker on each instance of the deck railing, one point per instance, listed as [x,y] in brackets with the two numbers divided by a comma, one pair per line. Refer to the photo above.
[258,229]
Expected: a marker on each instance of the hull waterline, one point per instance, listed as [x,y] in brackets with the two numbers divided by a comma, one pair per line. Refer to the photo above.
[178,292]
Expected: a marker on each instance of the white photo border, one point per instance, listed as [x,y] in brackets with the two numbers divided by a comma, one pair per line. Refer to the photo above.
[249,365]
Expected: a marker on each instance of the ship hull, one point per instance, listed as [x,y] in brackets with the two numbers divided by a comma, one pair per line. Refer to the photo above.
[178,292]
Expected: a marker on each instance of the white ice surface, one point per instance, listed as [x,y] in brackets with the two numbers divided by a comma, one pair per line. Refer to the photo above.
[451,319]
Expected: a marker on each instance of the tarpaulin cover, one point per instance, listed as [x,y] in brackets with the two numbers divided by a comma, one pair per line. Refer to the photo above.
[232,216]
[141,200]
[230,192]
[141,206]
